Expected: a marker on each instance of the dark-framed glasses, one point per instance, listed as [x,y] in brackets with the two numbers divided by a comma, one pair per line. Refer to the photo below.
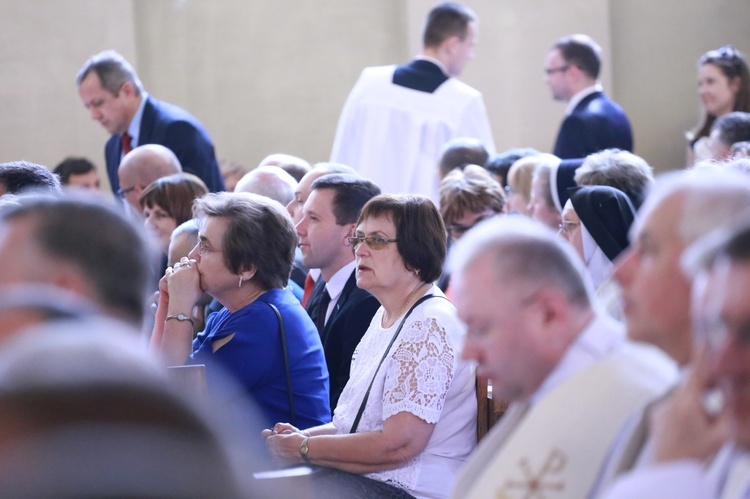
[122,192]
[458,230]
[373,242]
[561,69]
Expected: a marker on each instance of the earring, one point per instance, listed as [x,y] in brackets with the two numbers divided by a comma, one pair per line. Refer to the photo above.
[240,285]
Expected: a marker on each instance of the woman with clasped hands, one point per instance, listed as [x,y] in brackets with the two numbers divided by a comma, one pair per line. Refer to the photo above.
[419,421]
[243,259]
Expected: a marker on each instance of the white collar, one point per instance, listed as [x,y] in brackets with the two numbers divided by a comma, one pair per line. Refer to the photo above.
[336,283]
[134,129]
[600,337]
[577,98]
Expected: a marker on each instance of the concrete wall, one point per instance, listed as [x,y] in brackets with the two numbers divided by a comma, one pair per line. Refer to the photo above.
[271,75]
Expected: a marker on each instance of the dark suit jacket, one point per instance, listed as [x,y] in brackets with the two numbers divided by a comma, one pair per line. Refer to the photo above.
[178,130]
[596,123]
[345,327]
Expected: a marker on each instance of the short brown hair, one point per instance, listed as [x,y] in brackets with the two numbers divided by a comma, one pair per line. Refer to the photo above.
[422,240]
[472,189]
[174,194]
[581,51]
[260,234]
[445,20]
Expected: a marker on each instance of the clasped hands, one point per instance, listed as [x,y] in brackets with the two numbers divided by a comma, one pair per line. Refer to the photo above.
[283,442]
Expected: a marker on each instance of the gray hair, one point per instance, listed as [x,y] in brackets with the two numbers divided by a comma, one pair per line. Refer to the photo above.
[616,168]
[113,71]
[269,181]
[525,251]
[712,198]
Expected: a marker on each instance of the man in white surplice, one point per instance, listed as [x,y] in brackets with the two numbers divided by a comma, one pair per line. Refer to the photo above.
[397,118]
[571,376]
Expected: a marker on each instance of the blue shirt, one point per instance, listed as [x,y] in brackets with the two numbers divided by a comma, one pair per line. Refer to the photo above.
[254,357]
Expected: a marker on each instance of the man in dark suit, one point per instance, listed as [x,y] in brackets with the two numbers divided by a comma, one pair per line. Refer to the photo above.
[341,311]
[109,87]
[593,122]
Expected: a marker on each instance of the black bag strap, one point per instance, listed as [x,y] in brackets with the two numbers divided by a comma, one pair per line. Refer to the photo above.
[285,352]
[385,354]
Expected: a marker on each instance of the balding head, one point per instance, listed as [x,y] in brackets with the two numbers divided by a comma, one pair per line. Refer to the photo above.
[293,165]
[269,181]
[304,187]
[143,165]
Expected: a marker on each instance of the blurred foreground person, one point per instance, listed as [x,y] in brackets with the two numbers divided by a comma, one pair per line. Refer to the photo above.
[18,177]
[688,428]
[79,244]
[571,377]
[86,412]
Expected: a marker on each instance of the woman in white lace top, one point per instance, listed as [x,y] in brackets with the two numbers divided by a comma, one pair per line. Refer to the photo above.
[418,425]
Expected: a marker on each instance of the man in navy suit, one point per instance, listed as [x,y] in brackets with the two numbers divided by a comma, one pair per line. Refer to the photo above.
[109,87]
[341,311]
[592,121]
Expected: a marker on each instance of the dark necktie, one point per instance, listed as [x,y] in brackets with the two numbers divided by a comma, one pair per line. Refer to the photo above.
[126,143]
[325,300]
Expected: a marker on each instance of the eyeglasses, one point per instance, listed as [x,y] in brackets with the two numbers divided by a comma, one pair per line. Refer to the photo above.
[456,231]
[121,192]
[373,242]
[565,226]
[561,69]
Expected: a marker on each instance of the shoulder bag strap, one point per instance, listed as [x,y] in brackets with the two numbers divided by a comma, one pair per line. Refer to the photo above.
[285,352]
[385,354]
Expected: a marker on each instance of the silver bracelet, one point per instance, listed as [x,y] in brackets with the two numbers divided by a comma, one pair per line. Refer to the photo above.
[181,318]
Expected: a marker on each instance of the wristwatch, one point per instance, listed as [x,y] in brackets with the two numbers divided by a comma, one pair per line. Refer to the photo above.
[181,318]
[304,449]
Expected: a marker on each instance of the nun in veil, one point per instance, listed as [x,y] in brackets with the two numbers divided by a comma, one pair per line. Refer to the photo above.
[596,221]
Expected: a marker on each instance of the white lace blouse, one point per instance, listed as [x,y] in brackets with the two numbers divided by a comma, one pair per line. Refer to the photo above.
[425,376]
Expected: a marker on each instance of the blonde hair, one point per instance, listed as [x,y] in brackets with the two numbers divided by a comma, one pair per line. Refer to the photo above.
[522,172]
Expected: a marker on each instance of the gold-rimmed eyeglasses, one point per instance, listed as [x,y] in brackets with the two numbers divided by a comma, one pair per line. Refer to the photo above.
[373,242]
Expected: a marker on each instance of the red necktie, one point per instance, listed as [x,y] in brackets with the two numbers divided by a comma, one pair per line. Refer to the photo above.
[309,285]
[126,143]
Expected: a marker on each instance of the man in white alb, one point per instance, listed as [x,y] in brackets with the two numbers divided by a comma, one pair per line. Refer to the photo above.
[397,118]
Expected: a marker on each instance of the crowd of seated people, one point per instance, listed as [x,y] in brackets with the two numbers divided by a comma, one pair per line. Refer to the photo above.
[345,332]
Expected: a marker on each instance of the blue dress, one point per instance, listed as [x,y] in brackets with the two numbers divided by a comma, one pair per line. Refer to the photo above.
[254,357]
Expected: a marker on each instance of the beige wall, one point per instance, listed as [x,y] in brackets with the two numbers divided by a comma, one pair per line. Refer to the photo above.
[655,48]
[271,75]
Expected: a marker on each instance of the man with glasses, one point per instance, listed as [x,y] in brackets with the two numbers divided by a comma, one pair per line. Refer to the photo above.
[565,366]
[111,90]
[592,121]
[140,167]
